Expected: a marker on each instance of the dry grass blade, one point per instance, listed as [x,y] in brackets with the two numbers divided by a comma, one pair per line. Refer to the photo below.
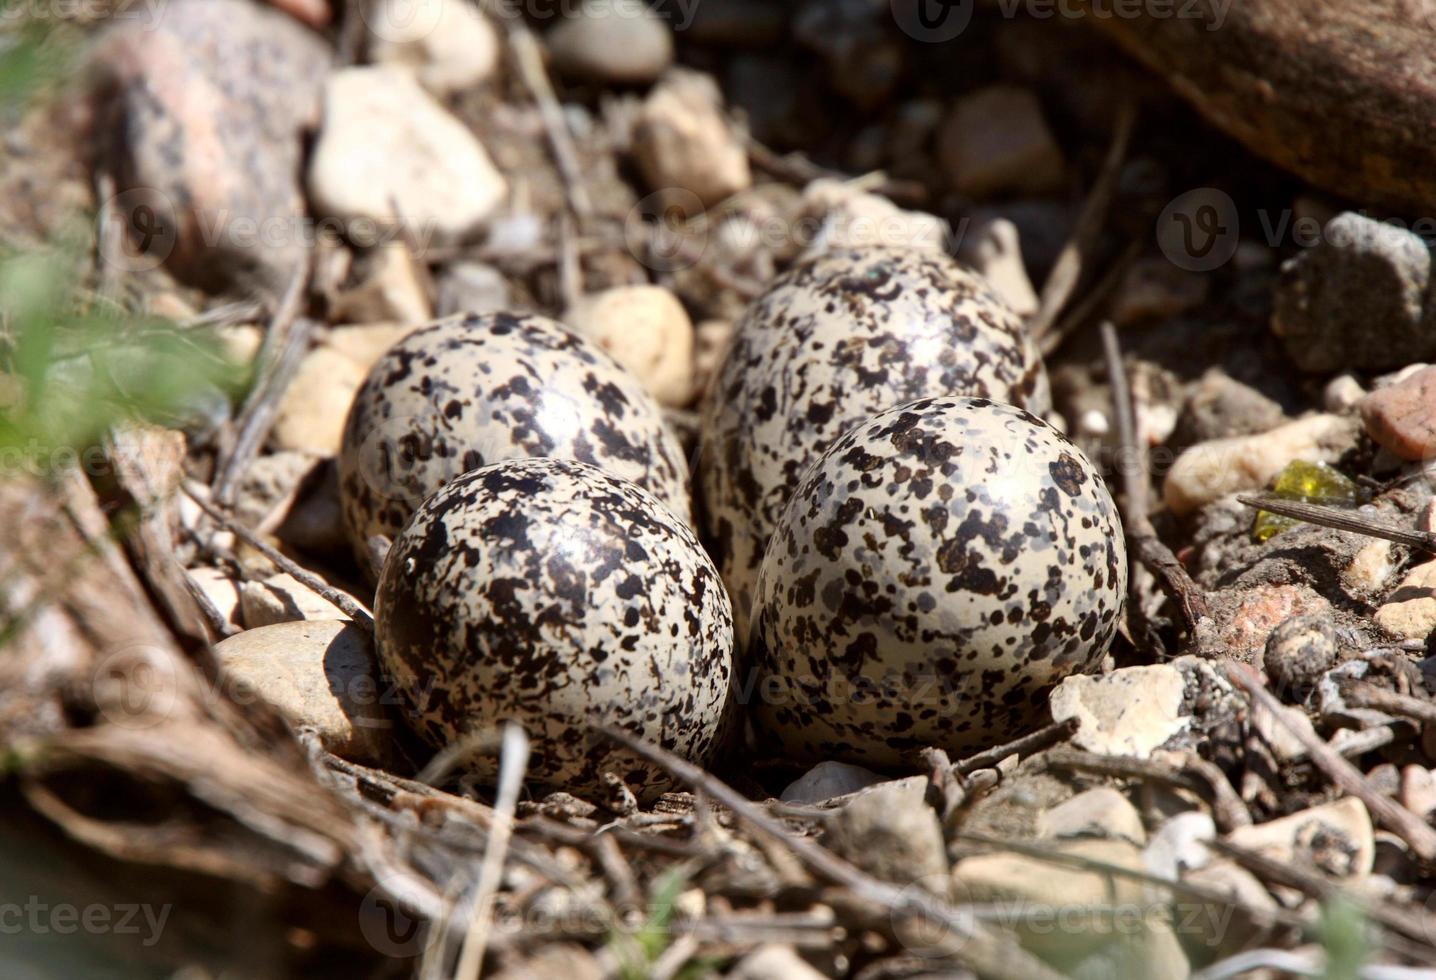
[982,950]
[1341,520]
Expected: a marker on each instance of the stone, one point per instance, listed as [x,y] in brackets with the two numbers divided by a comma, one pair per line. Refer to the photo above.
[1410,611]
[1209,471]
[1219,927]
[1299,652]
[827,780]
[1151,952]
[282,599]
[852,218]
[240,342]
[1335,838]
[312,411]
[1418,791]
[472,287]
[993,247]
[682,142]
[773,962]
[891,833]
[322,677]
[1275,729]
[1342,394]
[1244,616]
[1355,299]
[449,45]
[315,521]
[1402,416]
[204,113]
[995,141]
[1100,812]
[1130,711]
[365,343]
[710,345]
[1155,289]
[616,41]
[647,330]
[1369,569]
[387,287]
[1218,406]
[269,484]
[388,153]
[1180,844]
[221,590]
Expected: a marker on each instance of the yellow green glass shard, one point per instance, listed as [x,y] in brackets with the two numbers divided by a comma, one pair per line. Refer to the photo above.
[1313,483]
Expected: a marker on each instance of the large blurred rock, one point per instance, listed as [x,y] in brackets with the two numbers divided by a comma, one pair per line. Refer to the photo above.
[200,119]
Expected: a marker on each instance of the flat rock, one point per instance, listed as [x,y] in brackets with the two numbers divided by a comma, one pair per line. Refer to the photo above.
[647,330]
[682,141]
[1209,471]
[1127,712]
[1402,416]
[205,111]
[890,832]
[1335,838]
[386,286]
[1356,298]
[387,152]
[827,780]
[449,45]
[996,141]
[773,962]
[321,676]
[282,599]
[1410,610]
[1100,812]
[618,41]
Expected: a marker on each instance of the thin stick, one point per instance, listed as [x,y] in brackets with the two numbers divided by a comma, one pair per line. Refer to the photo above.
[347,604]
[1363,694]
[1024,746]
[1064,328]
[513,763]
[285,342]
[1067,270]
[529,61]
[1341,520]
[987,953]
[1347,777]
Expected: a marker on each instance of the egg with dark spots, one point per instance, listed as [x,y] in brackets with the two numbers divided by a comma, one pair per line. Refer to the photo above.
[937,571]
[831,343]
[468,391]
[553,594]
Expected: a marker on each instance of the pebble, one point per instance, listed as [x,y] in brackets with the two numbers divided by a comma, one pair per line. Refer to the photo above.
[388,152]
[1342,394]
[472,287]
[1152,952]
[647,330]
[311,414]
[827,780]
[1335,838]
[1244,616]
[1154,289]
[1355,298]
[994,248]
[773,962]
[1179,844]
[853,218]
[891,833]
[1410,611]
[1275,729]
[206,110]
[449,45]
[321,676]
[1130,711]
[682,141]
[269,485]
[617,41]
[1369,569]
[1299,652]
[1100,812]
[1402,416]
[1219,406]
[1210,470]
[282,599]
[996,141]
[1216,927]
[1418,791]
[221,590]
[314,522]
[388,288]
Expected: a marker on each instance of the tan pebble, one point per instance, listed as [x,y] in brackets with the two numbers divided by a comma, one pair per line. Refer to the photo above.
[1336,838]
[646,329]
[282,599]
[1402,417]
[1410,611]
[683,141]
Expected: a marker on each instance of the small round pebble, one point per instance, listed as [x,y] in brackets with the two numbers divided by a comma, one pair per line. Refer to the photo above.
[548,592]
[832,342]
[1299,652]
[616,41]
[938,570]
[472,390]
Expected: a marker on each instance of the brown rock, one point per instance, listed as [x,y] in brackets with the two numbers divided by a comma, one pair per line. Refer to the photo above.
[1402,417]
[996,141]
[683,141]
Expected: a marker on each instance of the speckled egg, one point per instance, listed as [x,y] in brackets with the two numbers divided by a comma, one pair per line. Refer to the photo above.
[937,571]
[467,391]
[551,593]
[834,341]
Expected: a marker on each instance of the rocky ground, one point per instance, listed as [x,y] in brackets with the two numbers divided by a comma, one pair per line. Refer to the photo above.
[283,190]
